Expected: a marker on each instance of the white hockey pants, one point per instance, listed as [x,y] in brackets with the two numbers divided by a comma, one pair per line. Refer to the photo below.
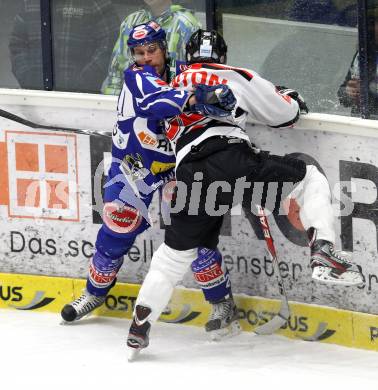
[313,196]
[168,266]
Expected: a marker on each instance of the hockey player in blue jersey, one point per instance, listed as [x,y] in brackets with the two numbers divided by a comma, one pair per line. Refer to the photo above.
[140,165]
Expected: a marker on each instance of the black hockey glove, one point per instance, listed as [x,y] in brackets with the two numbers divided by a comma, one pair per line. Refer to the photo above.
[216,100]
[294,95]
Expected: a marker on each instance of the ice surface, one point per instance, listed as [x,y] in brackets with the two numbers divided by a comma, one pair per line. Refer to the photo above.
[37,352]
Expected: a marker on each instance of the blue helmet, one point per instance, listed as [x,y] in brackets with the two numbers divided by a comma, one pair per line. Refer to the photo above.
[146,33]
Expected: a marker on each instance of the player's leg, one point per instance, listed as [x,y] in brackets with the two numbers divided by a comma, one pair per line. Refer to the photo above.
[213,278]
[316,213]
[167,268]
[183,239]
[121,224]
[312,195]
[202,231]
[314,199]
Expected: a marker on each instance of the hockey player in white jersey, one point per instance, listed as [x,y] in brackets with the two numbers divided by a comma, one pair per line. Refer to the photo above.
[259,101]
[212,151]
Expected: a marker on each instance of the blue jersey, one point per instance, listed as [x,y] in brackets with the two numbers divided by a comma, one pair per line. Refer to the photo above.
[142,157]
[142,161]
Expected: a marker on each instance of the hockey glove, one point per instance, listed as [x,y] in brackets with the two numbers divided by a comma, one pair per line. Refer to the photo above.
[294,95]
[216,100]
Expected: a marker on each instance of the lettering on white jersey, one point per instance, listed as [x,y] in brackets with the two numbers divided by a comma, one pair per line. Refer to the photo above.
[251,92]
[193,77]
[120,140]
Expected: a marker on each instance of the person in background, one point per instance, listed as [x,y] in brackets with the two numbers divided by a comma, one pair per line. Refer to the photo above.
[349,91]
[325,12]
[84,32]
[179,23]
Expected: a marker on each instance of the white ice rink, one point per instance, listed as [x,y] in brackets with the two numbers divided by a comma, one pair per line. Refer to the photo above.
[37,352]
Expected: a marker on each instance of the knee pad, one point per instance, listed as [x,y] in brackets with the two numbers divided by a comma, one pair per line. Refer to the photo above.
[121,218]
[172,263]
[211,274]
[102,273]
[314,176]
[168,266]
[315,204]
[114,246]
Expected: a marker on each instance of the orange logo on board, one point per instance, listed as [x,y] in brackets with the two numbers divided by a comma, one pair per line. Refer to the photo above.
[41,177]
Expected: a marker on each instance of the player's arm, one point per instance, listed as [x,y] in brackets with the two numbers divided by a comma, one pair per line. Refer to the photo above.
[292,93]
[152,97]
[156,99]
[269,105]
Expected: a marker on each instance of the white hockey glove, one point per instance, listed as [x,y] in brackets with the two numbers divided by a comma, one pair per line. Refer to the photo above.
[294,95]
[217,100]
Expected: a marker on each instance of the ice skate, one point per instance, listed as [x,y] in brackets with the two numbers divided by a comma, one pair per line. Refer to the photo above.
[138,337]
[224,320]
[330,266]
[81,307]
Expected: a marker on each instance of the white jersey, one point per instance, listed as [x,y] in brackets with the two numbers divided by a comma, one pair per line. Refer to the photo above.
[258,100]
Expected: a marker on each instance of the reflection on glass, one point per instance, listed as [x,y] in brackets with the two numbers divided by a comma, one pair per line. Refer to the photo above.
[349,91]
[22,23]
[302,44]
[84,32]
[178,22]
[340,13]
[373,47]
[275,9]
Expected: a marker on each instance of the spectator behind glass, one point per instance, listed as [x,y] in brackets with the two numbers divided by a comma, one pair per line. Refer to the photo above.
[179,24]
[325,12]
[349,91]
[84,32]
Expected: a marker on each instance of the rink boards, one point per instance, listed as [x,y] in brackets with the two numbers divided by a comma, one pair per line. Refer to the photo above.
[51,205]
[187,307]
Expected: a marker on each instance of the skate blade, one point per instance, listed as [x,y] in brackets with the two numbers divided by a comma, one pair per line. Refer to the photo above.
[348,278]
[231,330]
[76,320]
[133,353]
